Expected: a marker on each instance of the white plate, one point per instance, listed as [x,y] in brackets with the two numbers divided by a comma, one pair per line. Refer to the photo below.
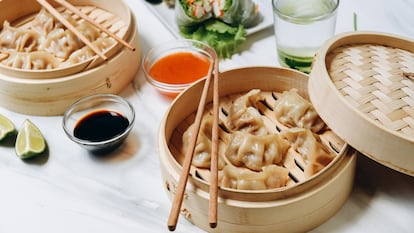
[167,17]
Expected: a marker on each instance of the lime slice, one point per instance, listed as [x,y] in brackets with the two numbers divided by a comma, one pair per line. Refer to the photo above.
[6,127]
[30,141]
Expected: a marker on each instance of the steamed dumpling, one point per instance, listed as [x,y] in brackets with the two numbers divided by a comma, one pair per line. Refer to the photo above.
[37,60]
[244,116]
[202,151]
[86,53]
[44,22]
[88,30]
[310,147]
[20,40]
[254,152]
[271,176]
[247,120]
[250,99]
[292,110]
[61,43]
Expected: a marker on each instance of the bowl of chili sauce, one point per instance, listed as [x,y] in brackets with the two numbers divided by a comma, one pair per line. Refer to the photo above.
[99,123]
[173,66]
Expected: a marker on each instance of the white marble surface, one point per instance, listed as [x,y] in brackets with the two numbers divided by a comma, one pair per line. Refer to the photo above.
[72,191]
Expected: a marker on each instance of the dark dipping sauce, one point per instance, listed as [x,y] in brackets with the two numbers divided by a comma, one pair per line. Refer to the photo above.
[100,126]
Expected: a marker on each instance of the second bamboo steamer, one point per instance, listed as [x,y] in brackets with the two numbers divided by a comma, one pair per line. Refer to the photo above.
[297,208]
[50,92]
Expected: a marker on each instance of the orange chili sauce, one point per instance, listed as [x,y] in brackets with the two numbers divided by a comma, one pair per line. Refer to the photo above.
[180,68]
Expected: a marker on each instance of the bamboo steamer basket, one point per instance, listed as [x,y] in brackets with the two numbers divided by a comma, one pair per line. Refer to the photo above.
[50,92]
[296,208]
[362,85]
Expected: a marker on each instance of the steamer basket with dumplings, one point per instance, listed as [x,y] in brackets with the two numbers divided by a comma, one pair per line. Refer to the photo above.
[250,203]
[45,78]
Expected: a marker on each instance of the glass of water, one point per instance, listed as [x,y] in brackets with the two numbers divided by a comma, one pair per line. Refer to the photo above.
[301,27]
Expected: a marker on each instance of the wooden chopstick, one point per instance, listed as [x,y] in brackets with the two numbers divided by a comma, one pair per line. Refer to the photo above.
[178,198]
[212,213]
[75,10]
[3,55]
[67,24]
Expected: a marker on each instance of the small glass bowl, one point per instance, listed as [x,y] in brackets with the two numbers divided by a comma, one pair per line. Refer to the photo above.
[172,89]
[95,106]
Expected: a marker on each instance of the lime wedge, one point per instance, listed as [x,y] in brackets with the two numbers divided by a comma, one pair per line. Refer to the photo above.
[6,127]
[30,141]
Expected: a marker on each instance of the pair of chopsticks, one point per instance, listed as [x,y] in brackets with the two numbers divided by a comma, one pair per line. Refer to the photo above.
[67,24]
[178,199]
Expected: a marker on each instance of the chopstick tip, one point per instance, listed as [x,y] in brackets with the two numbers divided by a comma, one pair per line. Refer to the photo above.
[171,227]
[213,225]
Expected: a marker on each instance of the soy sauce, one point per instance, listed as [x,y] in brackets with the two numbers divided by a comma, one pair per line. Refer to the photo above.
[100,125]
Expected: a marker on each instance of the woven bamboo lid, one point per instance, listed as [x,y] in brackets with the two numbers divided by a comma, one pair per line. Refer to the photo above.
[362,85]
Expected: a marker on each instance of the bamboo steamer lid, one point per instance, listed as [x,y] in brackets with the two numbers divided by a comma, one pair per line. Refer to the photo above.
[50,92]
[362,85]
[296,208]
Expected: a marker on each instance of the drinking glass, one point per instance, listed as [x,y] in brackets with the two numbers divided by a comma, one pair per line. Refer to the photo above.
[301,27]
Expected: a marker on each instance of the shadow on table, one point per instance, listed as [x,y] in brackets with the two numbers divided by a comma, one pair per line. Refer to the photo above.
[124,152]
[256,38]
[40,159]
[374,184]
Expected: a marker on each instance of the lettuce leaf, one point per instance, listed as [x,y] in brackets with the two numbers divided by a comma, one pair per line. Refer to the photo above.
[225,39]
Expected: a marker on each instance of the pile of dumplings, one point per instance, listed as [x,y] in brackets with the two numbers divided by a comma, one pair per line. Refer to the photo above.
[253,148]
[44,43]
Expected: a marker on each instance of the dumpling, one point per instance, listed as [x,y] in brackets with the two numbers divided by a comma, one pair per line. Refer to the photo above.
[104,43]
[37,60]
[244,116]
[310,147]
[202,151]
[247,120]
[250,99]
[79,56]
[294,111]
[254,152]
[86,53]
[61,43]
[88,30]
[17,39]
[44,22]
[271,176]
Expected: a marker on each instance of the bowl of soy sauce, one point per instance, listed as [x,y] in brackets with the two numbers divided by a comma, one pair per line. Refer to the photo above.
[99,123]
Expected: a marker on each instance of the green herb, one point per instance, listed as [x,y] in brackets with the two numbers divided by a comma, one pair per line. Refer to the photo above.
[225,39]
[355,22]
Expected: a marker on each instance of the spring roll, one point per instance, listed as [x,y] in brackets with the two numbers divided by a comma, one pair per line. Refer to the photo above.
[191,12]
[235,12]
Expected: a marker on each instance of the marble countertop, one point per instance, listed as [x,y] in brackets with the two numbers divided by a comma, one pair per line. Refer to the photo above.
[72,191]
